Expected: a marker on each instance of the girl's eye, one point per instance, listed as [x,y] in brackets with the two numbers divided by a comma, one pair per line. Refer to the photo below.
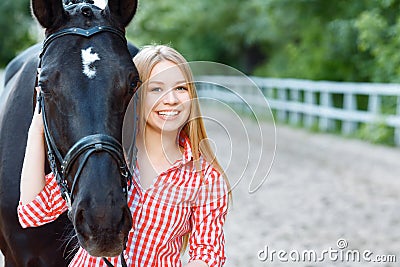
[156,89]
[181,88]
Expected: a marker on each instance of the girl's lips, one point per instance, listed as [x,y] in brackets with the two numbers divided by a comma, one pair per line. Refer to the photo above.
[168,114]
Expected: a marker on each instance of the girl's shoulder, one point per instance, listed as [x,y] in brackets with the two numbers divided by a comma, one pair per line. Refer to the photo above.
[212,185]
[210,174]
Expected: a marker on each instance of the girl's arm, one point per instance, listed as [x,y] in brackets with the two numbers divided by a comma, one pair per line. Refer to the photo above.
[206,241]
[40,198]
[32,175]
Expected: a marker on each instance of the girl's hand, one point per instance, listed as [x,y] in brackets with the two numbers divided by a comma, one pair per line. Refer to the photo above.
[196,263]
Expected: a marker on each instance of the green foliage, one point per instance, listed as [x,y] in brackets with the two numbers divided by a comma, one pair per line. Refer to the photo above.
[377,133]
[16,24]
[204,30]
[379,36]
[313,39]
[335,40]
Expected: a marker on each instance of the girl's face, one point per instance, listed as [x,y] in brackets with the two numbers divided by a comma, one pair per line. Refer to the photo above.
[167,99]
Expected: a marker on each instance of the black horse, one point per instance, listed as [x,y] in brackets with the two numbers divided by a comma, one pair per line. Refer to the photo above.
[87,79]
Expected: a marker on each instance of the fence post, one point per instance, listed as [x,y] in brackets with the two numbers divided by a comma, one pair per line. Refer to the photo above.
[268,92]
[294,96]
[310,100]
[350,104]
[325,123]
[397,128]
[374,104]
[281,113]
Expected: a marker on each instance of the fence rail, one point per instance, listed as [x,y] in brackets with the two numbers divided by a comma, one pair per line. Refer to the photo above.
[326,105]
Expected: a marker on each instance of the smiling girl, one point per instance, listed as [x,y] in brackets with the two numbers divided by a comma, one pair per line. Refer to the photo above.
[180,193]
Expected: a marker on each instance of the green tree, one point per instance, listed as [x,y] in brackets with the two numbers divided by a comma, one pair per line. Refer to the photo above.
[201,30]
[314,39]
[379,37]
[16,27]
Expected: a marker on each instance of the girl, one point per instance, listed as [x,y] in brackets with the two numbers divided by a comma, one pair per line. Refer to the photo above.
[180,193]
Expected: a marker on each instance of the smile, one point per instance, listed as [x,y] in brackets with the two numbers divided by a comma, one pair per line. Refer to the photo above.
[168,113]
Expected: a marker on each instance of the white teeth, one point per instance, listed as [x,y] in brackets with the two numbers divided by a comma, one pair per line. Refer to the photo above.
[168,113]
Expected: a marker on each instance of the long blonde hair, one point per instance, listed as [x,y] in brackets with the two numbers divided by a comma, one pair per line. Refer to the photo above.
[145,61]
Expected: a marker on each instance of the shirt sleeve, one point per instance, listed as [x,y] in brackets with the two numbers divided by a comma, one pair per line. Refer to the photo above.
[207,242]
[46,207]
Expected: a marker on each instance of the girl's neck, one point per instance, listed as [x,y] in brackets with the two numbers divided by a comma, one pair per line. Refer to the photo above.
[159,147]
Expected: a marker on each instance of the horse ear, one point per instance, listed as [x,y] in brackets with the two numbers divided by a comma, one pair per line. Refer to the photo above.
[48,12]
[122,10]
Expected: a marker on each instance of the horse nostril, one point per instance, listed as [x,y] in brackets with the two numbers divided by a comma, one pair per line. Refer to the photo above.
[80,223]
[79,215]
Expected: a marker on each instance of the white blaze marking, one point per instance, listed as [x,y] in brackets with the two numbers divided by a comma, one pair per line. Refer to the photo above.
[100,3]
[88,58]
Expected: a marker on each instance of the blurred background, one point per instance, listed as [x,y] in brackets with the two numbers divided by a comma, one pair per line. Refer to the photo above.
[310,39]
[322,187]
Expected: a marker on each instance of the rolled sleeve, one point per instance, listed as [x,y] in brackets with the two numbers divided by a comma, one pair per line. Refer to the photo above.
[46,207]
[207,242]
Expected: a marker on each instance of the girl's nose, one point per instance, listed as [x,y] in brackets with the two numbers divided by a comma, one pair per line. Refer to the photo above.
[170,97]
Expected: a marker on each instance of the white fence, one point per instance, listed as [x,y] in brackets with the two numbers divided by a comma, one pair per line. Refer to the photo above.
[1,78]
[319,104]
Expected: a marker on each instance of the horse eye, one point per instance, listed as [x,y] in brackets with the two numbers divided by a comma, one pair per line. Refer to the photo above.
[135,84]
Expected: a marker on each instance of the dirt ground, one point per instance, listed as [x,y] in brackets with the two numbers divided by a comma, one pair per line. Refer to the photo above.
[325,194]
[322,192]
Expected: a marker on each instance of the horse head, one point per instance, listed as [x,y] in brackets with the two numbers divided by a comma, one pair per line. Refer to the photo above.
[87,79]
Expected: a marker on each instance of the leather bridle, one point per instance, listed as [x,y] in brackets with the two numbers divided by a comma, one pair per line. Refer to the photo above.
[87,145]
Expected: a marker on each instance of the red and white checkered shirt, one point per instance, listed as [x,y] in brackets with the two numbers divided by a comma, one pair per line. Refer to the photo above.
[179,201]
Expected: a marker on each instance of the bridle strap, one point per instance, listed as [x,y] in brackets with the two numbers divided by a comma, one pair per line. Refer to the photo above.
[87,145]
[81,32]
[96,142]
[51,150]
[93,144]
[109,264]
[87,33]
[51,145]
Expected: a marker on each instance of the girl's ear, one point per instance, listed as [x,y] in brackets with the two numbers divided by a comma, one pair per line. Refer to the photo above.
[49,13]
[122,10]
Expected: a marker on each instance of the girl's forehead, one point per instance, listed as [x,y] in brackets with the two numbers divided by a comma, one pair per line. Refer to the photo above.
[165,71]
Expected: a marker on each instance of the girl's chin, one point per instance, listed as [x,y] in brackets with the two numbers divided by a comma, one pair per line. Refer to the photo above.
[167,126]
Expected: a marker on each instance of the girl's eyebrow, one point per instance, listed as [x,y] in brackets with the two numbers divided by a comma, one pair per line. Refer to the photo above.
[181,82]
[161,82]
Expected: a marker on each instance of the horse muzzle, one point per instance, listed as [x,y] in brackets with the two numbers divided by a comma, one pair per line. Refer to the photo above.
[102,231]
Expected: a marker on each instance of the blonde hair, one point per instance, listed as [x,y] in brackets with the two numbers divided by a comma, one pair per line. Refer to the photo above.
[194,129]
